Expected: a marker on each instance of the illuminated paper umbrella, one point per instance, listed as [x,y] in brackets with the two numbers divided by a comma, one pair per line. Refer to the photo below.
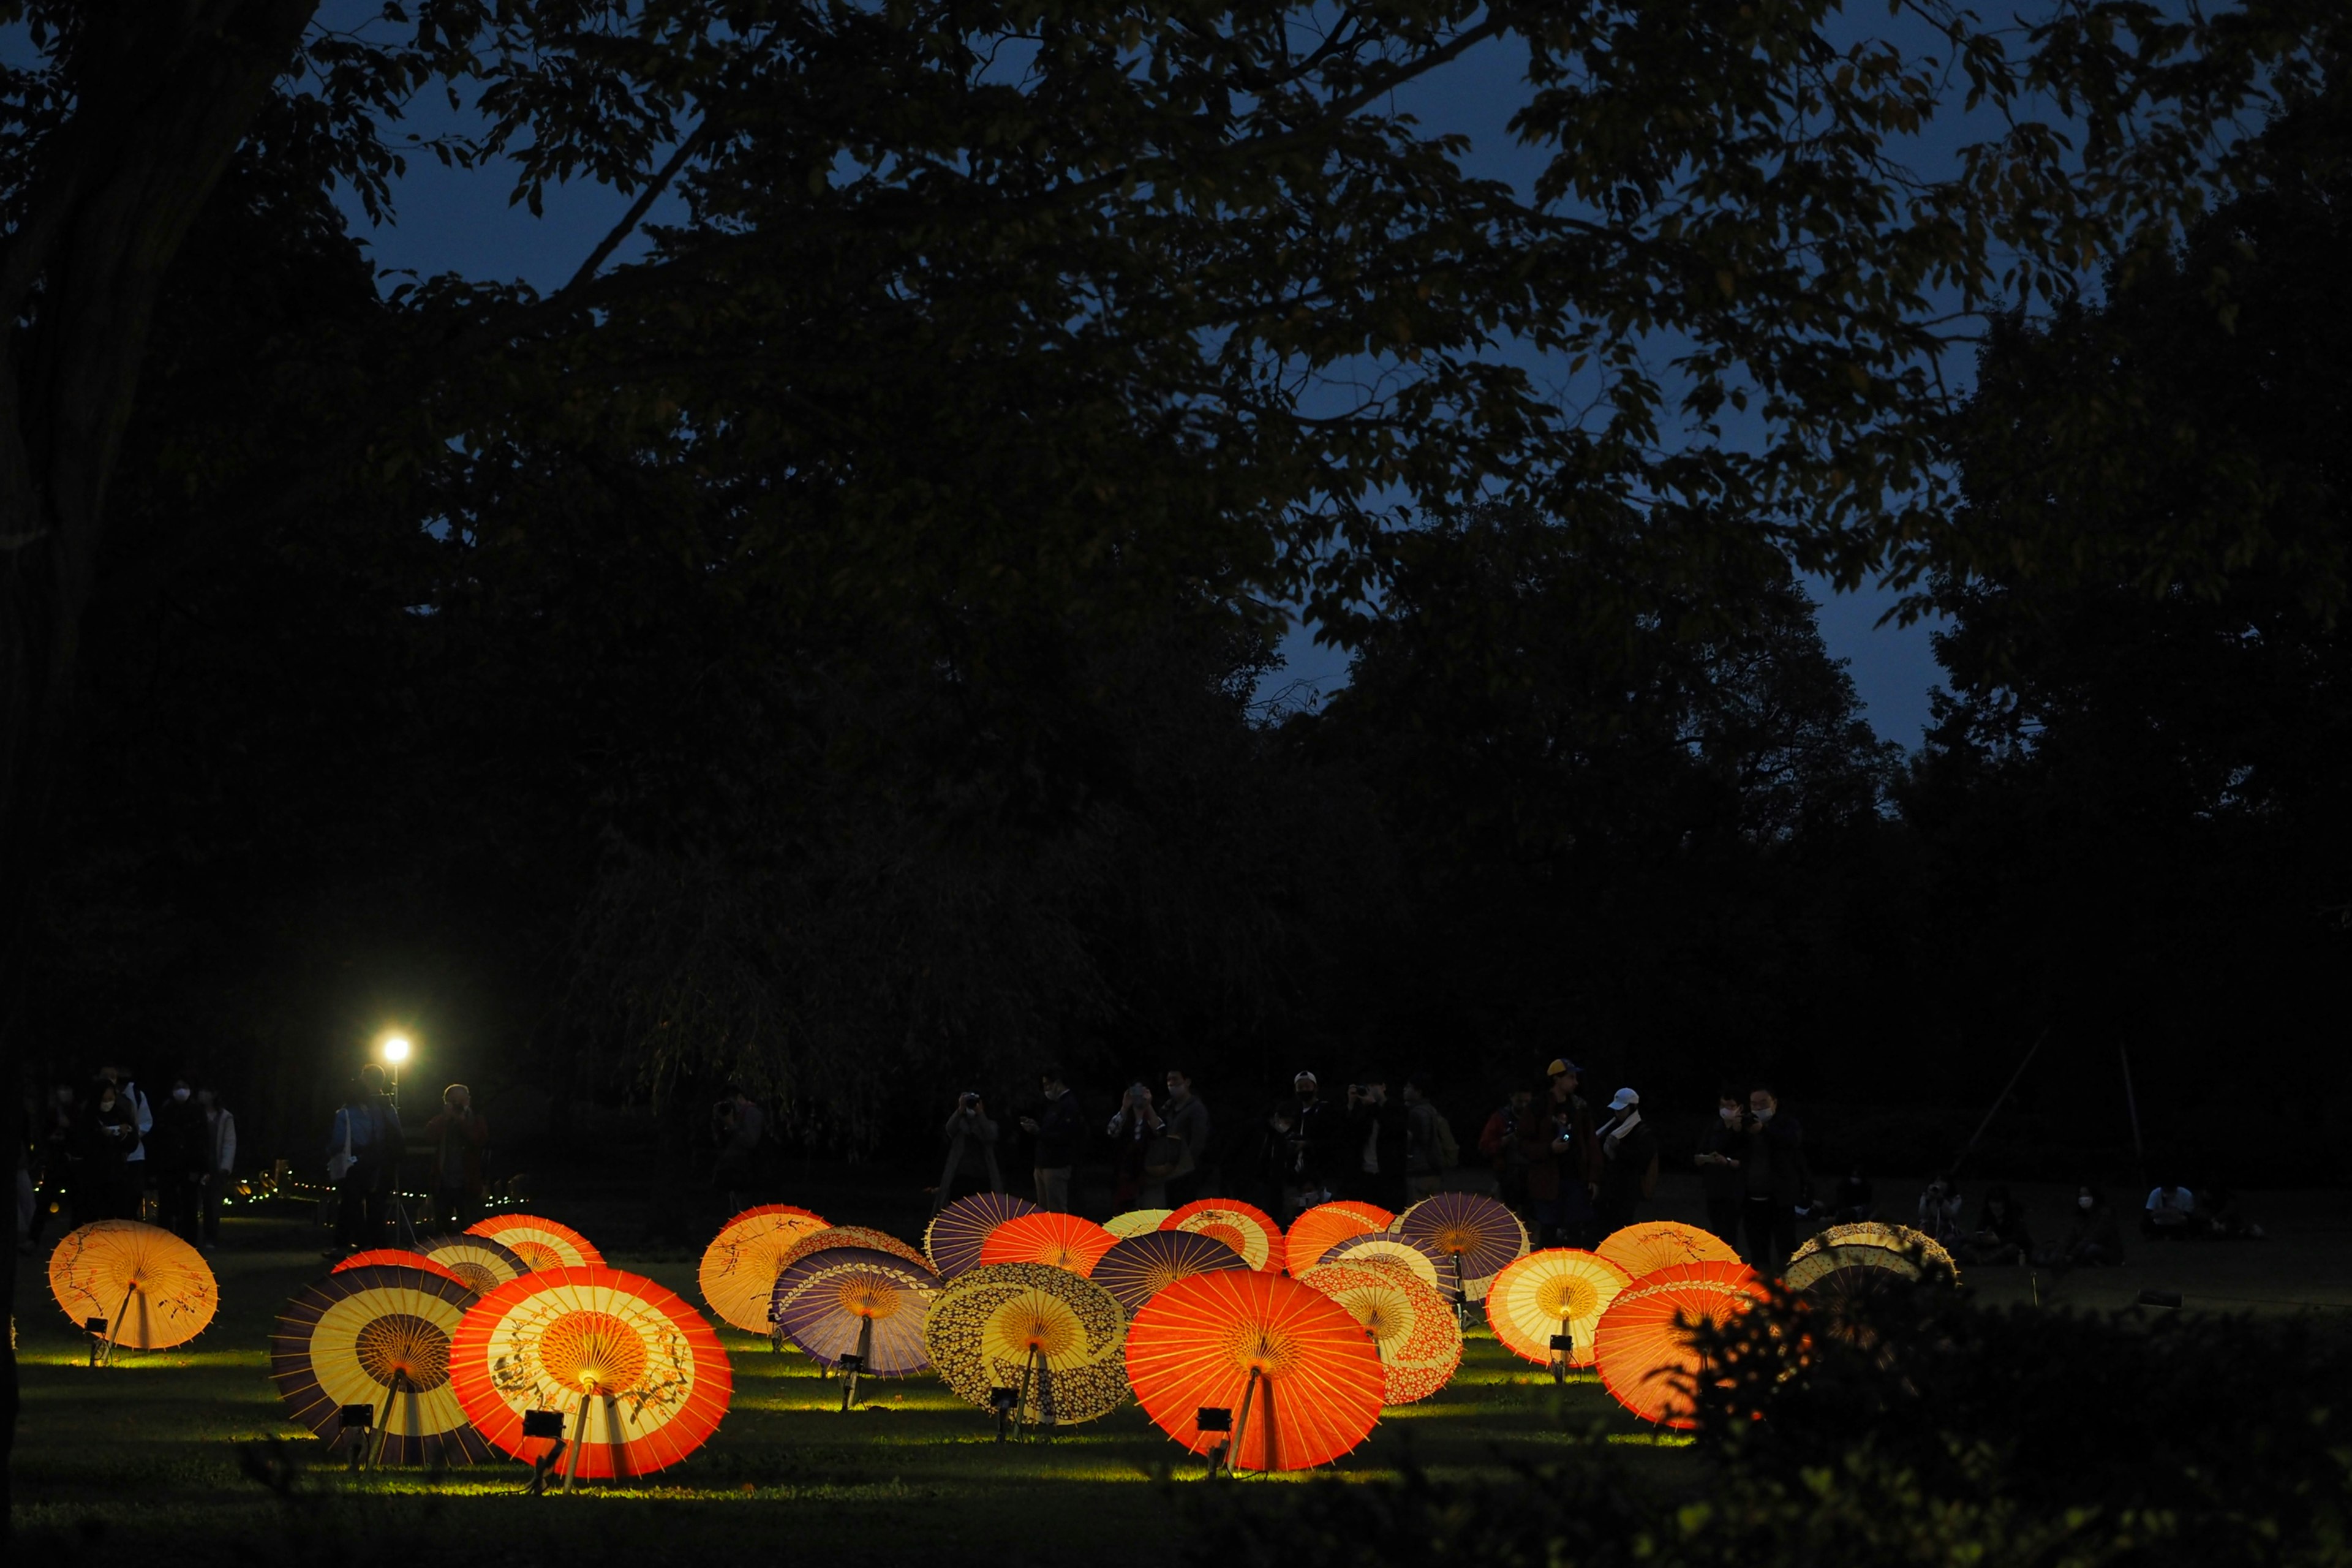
[1049,1334]
[483,1264]
[848,1300]
[1301,1379]
[953,1239]
[1247,1229]
[638,1375]
[1737,1276]
[1324,1226]
[1473,1233]
[1141,1267]
[1136,1221]
[1559,1290]
[741,1264]
[1064,1240]
[1411,1325]
[1856,1259]
[396,1258]
[153,1290]
[858,1236]
[541,1243]
[378,1335]
[1643,1350]
[1379,1249]
[1656,1243]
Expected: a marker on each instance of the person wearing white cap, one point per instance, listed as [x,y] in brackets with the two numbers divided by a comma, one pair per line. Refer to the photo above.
[1629,1150]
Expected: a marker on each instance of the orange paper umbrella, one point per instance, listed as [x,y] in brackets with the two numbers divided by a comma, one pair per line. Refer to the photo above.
[1411,1327]
[1736,1276]
[1063,1240]
[1248,1230]
[956,1232]
[1559,1290]
[1136,1221]
[639,1377]
[1379,1249]
[1299,1375]
[1475,1236]
[1656,1243]
[1324,1226]
[378,1335]
[1141,1267]
[1050,1335]
[741,1264]
[153,1290]
[483,1264]
[394,1258]
[541,1243]
[1643,1345]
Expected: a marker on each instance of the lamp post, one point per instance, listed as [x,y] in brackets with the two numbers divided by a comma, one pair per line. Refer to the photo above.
[395,1048]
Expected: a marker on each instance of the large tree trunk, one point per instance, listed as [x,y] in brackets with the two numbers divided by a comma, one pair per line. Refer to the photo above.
[165,91]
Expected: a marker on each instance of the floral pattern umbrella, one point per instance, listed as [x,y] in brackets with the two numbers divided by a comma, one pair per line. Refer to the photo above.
[1054,1337]
[1136,1221]
[541,1243]
[1656,1243]
[741,1264]
[858,1236]
[394,1258]
[1643,1350]
[1559,1290]
[1383,1249]
[1064,1240]
[953,1240]
[854,1300]
[1324,1226]
[1473,1233]
[639,1377]
[1856,1259]
[1246,1228]
[153,1290]
[1413,1328]
[378,1335]
[483,1264]
[1141,1267]
[1299,1376]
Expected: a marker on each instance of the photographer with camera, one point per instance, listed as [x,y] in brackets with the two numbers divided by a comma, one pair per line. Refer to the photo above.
[1054,1137]
[971,1154]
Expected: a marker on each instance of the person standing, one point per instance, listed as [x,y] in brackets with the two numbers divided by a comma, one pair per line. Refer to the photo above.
[1629,1162]
[1563,1157]
[1429,1147]
[351,1165]
[179,1162]
[1498,1141]
[134,1174]
[220,1163]
[1377,1146]
[60,1154]
[740,1125]
[1718,1164]
[109,1136]
[457,1135]
[1318,1130]
[1772,1176]
[1134,1132]
[1055,1135]
[1188,1122]
[971,1154]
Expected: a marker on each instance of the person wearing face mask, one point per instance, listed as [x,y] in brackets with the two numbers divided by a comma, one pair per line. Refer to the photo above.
[2095,1237]
[108,1134]
[1629,1150]
[1718,1163]
[142,1120]
[1773,1180]
[220,1161]
[178,1161]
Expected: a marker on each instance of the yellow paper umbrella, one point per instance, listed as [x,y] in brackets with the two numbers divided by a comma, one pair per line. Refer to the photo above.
[541,1243]
[1379,1249]
[1054,1337]
[741,1264]
[1246,1228]
[483,1264]
[1136,1221]
[1411,1325]
[1850,1260]
[378,1336]
[1656,1243]
[1559,1290]
[153,1290]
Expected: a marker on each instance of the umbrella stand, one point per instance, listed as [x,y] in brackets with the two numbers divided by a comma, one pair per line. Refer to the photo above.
[1028,1375]
[856,1363]
[579,1437]
[1561,1342]
[1241,1419]
[374,1451]
[121,1315]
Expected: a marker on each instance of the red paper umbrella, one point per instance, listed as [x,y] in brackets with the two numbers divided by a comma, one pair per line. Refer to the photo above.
[1733,1276]
[1411,1327]
[741,1264]
[394,1257]
[1643,1350]
[1248,1230]
[378,1336]
[1302,1380]
[1655,1244]
[541,1243]
[1139,1267]
[639,1377]
[483,1264]
[957,1231]
[1063,1240]
[1324,1226]
[1477,1235]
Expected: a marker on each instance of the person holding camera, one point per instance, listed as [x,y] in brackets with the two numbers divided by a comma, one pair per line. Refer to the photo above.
[1054,1136]
[1562,1157]
[971,1154]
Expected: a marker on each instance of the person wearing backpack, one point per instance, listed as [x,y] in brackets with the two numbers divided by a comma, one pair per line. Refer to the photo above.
[1430,1147]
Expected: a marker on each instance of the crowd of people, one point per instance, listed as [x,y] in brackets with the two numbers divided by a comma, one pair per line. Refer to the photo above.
[105,1150]
[367,1149]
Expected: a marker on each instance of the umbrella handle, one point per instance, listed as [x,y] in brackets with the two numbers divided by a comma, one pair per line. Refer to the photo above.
[1241,1419]
[115,1330]
[579,1437]
[865,1349]
[1028,1372]
[376,1438]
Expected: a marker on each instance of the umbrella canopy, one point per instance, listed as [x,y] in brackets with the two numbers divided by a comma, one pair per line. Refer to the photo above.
[1380,1249]
[1136,1221]
[153,1290]
[1064,1240]
[1141,1267]
[646,1369]
[394,1258]
[378,1335]
[1656,1243]
[1737,1276]
[541,1243]
[1248,1230]
[1473,1233]
[1855,1259]
[848,1299]
[1324,1226]
[741,1264]
[1312,1379]
[1643,1347]
[953,1240]
[483,1264]
[858,1236]
[1411,1326]
[1035,1327]
[1559,1290]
